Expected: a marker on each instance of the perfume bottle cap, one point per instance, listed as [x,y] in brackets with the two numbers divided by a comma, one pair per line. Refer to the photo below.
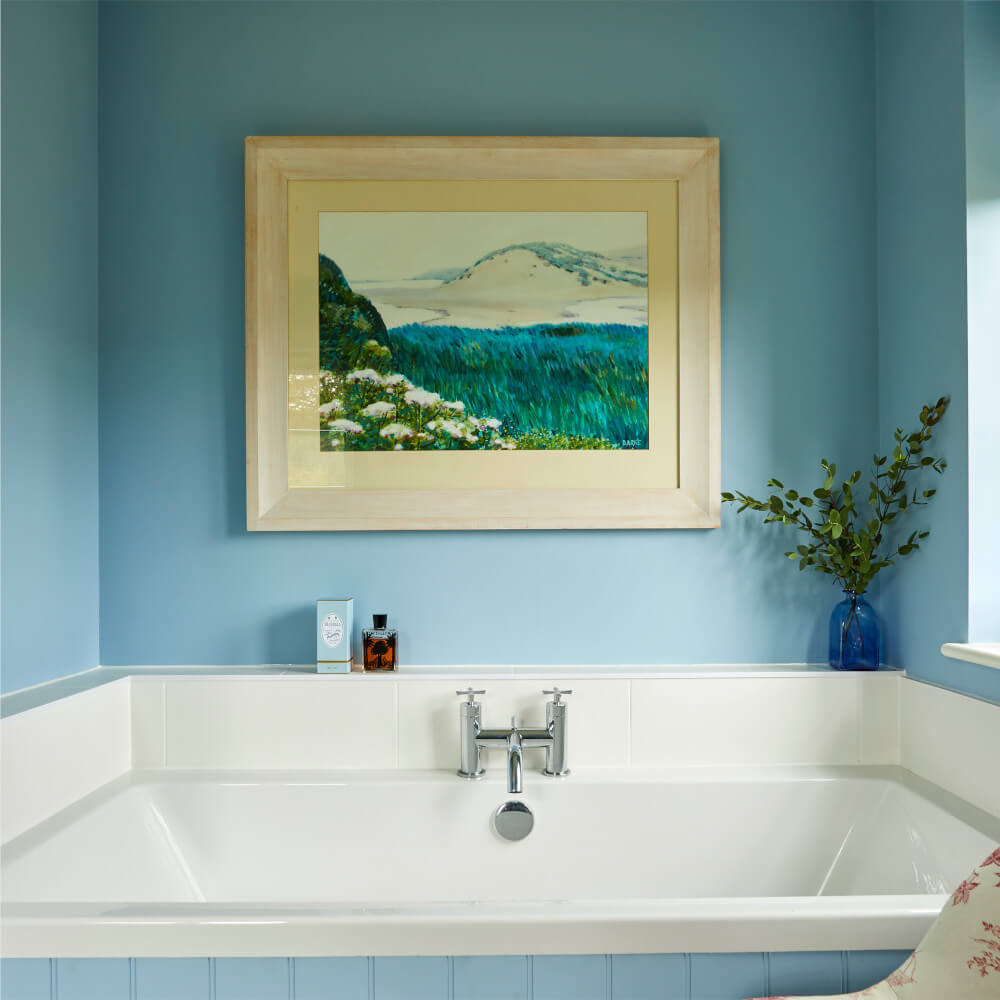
[379,620]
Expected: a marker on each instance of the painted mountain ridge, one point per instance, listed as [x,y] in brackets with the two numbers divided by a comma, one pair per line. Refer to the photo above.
[587,267]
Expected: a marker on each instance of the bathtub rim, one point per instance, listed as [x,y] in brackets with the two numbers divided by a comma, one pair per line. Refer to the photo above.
[747,924]
[717,924]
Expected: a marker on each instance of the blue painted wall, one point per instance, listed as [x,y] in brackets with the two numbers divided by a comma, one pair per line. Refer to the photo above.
[982,171]
[49,580]
[515,977]
[922,318]
[832,116]
[790,89]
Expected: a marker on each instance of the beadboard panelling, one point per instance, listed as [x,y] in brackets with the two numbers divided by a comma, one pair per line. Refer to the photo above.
[411,978]
[643,977]
[92,978]
[330,979]
[720,977]
[952,740]
[25,978]
[598,719]
[491,977]
[252,978]
[806,973]
[867,967]
[583,977]
[732,976]
[280,724]
[172,978]
[58,753]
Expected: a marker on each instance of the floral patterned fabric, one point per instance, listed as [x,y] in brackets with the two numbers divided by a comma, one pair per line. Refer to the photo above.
[959,957]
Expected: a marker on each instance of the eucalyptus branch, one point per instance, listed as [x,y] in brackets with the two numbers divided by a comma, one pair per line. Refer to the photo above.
[842,545]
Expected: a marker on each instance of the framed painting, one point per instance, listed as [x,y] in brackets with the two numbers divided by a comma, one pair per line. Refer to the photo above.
[448,333]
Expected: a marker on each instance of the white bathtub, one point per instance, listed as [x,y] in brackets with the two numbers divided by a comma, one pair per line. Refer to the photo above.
[699,859]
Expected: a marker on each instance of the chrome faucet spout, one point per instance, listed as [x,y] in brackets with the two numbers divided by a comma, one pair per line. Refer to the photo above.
[514,785]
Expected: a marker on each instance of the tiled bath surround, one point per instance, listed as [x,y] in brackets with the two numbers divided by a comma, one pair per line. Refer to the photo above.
[410,721]
[509,977]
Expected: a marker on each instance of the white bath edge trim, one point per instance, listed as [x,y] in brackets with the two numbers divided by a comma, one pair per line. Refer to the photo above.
[23,699]
[703,926]
[986,654]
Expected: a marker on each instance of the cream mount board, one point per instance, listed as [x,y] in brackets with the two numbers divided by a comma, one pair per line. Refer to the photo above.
[681,491]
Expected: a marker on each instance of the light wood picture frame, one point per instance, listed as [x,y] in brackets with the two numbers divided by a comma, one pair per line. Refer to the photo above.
[674,484]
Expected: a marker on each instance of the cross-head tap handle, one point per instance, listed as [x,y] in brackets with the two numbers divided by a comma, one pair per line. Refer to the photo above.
[470,695]
[557,694]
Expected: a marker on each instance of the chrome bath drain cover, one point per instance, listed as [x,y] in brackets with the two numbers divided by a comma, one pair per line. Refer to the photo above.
[513,821]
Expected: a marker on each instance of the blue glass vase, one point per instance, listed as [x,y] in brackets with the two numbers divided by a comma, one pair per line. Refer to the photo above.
[854,638]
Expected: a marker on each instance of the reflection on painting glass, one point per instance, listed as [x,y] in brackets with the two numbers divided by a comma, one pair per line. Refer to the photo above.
[476,330]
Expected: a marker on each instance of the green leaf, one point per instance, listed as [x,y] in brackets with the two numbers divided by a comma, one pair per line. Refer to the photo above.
[836,530]
[792,555]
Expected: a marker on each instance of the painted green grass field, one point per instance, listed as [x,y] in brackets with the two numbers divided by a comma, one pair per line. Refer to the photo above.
[574,380]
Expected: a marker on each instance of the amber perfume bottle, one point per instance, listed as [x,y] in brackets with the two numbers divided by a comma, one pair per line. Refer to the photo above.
[379,645]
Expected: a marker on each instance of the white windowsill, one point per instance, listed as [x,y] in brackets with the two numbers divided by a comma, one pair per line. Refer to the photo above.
[986,654]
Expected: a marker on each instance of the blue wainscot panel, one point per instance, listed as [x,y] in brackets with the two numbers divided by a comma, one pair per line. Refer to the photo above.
[25,978]
[735,976]
[92,978]
[492,977]
[252,978]
[330,978]
[170,978]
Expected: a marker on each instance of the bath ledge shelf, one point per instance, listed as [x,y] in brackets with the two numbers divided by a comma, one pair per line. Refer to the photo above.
[43,694]
[986,654]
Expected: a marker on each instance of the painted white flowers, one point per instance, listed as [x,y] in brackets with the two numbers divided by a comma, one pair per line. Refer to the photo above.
[370,409]
[380,408]
[344,426]
[364,375]
[421,397]
[396,431]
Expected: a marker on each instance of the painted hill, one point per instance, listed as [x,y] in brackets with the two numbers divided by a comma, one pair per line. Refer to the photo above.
[584,268]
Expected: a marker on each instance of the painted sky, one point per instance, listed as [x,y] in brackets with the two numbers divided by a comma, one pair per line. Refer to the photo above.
[383,246]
